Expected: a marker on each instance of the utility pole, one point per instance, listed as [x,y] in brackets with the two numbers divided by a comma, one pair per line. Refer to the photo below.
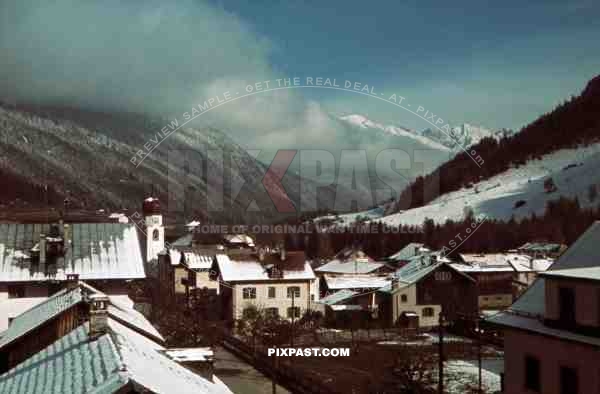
[273,377]
[441,354]
[293,315]
[479,331]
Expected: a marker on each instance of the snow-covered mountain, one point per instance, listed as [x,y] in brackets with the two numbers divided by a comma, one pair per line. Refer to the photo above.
[461,136]
[464,135]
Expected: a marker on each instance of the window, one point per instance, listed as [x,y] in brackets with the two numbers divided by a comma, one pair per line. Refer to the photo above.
[16,291]
[293,291]
[568,381]
[532,374]
[249,313]
[566,297]
[249,293]
[293,312]
[155,235]
[403,298]
[272,312]
[428,312]
[271,292]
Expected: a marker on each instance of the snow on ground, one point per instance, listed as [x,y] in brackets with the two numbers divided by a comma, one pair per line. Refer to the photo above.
[572,170]
[461,373]
[349,218]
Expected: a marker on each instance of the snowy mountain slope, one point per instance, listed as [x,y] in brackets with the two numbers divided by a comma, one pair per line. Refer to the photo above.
[85,156]
[572,172]
[461,136]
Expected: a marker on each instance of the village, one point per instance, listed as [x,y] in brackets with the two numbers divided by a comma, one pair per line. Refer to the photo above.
[129,311]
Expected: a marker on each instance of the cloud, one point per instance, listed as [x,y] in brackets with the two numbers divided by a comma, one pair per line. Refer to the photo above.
[150,57]
[145,56]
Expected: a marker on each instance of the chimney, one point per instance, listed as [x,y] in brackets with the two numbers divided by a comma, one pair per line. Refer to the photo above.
[72,281]
[395,283]
[98,315]
[261,254]
[282,252]
[42,245]
[61,227]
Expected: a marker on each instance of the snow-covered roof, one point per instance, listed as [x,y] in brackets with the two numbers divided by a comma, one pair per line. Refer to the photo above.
[239,239]
[362,265]
[120,307]
[590,273]
[197,261]
[356,282]
[106,364]
[249,268]
[541,247]
[410,250]
[13,307]
[584,252]
[537,325]
[126,314]
[41,313]
[346,307]
[190,354]
[193,223]
[145,365]
[93,251]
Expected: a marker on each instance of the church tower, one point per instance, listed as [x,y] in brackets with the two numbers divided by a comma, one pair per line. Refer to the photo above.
[155,230]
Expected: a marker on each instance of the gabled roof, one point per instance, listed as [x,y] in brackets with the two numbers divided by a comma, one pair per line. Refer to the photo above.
[581,259]
[41,313]
[410,250]
[249,268]
[93,251]
[542,247]
[93,367]
[589,273]
[583,253]
[105,364]
[66,298]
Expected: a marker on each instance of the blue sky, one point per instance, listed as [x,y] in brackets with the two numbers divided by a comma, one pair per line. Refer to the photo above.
[498,64]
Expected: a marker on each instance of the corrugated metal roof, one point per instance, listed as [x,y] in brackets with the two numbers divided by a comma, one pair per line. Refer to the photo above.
[41,313]
[95,251]
[146,365]
[72,364]
[77,364]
